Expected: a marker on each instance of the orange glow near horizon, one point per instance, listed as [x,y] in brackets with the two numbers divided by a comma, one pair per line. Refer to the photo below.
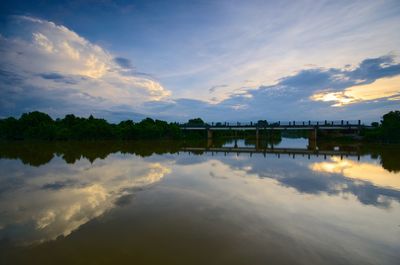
[381,88]
[363,171]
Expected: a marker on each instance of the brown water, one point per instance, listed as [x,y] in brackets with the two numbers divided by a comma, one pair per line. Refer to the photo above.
[152,203]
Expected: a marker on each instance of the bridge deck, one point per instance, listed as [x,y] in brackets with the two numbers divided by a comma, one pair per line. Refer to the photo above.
[278,125]
[253,128]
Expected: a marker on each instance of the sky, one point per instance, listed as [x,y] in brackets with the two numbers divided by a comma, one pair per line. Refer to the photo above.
[219,60]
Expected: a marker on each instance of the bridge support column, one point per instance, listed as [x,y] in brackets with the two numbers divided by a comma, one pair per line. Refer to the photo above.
[312,139]
[209,142]
[209,134]
[270,138]
[257,138]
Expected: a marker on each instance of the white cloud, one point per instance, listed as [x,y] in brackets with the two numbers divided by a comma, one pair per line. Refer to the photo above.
[270,40]
[43,42]
[38,47]
[304,96]
[50,68]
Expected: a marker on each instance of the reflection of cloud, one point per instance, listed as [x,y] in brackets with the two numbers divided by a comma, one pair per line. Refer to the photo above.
[298,174]
[381,88]
[359,171]
[45,213]
[281,210]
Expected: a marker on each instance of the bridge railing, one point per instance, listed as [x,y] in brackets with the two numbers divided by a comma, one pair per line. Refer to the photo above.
[319,123]
[272,124]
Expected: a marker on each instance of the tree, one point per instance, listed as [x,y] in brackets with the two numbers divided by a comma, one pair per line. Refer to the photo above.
[196,121]
[37,125]
[390,126]
[262,123]
[375,124]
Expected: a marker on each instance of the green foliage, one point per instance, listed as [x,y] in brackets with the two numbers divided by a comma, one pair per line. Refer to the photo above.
[390,126]
[196,121]
[195,134]
[262,123]
[375,124]
[40,126]
[387,131]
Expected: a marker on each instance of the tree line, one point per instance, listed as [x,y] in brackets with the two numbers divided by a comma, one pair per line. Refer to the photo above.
[40,126]
[388,130]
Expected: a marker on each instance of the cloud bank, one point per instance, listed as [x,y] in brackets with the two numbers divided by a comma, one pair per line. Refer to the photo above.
[365,91]
[51,68]
[48,67]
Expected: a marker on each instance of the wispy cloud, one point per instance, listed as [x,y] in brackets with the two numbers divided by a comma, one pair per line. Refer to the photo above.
[364,91]
[297,61]
[214,88]
[266,41]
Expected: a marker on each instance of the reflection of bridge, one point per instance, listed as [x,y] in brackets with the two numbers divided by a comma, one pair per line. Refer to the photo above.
[312,126]
[278,151]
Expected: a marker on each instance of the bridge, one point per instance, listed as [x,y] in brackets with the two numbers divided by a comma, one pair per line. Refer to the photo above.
[291,125]
[312,126]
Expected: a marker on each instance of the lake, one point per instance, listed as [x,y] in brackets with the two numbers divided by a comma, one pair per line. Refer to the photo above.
[165,202]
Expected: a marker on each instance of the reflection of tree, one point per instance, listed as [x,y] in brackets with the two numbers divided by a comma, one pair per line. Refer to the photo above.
[34,154]
[390,160]
[40,153]
[389,156]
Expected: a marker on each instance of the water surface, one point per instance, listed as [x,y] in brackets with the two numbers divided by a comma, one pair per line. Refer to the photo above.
[152,203]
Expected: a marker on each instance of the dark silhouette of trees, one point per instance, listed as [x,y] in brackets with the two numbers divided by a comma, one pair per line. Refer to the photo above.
[262,123]
[196,121]
[387,131]
[40,126]
[390,126]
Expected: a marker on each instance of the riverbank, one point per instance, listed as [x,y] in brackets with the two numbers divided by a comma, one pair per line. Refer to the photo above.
[40,126]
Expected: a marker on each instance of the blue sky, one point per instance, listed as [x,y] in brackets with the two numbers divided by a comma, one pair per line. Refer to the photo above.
[220,60]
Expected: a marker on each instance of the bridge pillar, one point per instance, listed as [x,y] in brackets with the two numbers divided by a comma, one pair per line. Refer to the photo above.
[257,138]
[209,142]
[270,139]
[209,134]
[312,139]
